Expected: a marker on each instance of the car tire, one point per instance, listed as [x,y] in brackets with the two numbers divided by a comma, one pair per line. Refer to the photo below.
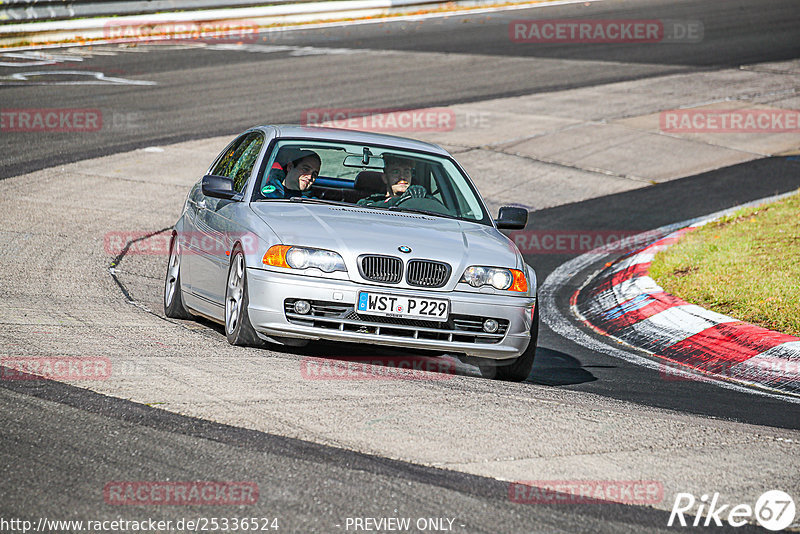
[522,366]
[238,328]
[173,298]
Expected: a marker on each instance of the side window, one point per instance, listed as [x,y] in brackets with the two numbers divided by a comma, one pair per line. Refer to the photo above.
[225,163]
[250,149]
[238,161]
[450,196]
[436,190]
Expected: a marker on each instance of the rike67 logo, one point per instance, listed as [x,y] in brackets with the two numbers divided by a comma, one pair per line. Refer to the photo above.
[774,510]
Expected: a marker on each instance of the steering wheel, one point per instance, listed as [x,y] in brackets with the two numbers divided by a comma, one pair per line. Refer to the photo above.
[424,203]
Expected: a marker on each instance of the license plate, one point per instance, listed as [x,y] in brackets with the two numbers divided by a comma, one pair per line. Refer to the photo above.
[403,307]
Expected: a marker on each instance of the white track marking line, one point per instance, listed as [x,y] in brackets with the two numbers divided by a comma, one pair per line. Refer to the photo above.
[98,78]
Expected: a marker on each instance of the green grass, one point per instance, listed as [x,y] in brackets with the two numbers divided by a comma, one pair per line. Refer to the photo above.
[746,266]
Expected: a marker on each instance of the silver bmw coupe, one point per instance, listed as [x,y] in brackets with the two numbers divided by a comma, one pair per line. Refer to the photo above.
[297,234]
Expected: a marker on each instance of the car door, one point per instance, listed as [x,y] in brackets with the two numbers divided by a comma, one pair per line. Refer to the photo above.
[210,269]
[191,237]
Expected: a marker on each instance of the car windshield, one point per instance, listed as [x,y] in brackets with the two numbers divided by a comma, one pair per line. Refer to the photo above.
[372,177]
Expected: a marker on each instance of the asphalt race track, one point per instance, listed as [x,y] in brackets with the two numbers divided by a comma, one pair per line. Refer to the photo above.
[61,443]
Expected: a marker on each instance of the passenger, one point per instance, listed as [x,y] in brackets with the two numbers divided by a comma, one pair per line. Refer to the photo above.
[293,179]
[397,175]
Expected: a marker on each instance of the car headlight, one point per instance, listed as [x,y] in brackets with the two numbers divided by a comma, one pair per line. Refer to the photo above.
[507,279]
[292,257]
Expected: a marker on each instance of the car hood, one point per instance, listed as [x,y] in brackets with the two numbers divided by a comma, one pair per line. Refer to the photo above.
[352,231]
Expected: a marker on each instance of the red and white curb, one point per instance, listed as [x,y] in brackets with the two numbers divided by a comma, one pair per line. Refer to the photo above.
[622,302]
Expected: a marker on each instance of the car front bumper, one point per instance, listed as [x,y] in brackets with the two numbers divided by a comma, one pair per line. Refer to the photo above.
[269,291]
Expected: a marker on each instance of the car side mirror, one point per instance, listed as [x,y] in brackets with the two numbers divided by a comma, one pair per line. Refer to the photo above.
[218,187]
[509,218]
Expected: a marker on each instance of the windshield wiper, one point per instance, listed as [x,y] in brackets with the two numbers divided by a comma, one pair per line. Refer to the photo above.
[423,212]
[306,199]
[319,201]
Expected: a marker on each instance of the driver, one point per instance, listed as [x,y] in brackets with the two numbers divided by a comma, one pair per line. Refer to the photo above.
[397,174]
[295,178]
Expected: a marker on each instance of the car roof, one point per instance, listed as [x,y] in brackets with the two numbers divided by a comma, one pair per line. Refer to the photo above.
[354,136]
